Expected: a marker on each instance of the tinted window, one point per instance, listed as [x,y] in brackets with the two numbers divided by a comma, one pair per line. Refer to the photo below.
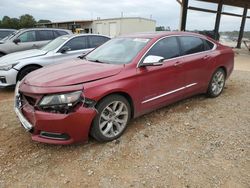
[59,33]
[167,48]
[4,33]
[77,43]
[44,35]
[191,45]
[95,41]
[208,45]
[28,36]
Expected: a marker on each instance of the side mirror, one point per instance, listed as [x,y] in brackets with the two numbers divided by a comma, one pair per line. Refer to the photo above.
[152,60]
[16,41]
[65,49]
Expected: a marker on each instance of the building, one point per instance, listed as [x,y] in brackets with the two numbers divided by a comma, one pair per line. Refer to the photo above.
[112,27]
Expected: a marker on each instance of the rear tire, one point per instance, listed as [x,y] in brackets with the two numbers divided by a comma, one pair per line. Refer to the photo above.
[114,113]
[217,83]
[23,72]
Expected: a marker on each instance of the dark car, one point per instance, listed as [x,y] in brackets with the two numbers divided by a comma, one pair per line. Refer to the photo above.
[124,78]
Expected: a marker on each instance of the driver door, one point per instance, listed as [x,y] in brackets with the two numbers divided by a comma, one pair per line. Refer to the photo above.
[27,42]
[160,85]
[77,46]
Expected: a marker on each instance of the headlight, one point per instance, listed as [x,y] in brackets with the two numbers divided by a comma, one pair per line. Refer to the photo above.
[68,99]
[7,67]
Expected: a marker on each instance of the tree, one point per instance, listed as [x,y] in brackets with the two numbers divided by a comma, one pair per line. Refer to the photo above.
[6,22]
[44,21]
[27,21]
[14,23]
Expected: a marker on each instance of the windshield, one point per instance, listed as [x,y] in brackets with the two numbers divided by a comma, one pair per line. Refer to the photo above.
[10,36]
[118,50]
[54,44]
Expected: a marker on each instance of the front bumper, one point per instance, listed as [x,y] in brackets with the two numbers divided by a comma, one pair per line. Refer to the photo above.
[55,128]
[8,78]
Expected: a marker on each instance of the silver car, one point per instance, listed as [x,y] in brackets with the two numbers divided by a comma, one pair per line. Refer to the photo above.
[15,66]
[26,39]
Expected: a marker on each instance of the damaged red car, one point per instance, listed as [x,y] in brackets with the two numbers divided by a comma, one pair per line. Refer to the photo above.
[124,78]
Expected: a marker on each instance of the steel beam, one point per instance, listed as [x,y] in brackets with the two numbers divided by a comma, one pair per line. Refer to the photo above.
[184,12]
[242,27]
[218,18]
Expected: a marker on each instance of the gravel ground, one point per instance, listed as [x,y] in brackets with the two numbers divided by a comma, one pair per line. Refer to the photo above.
[198,142]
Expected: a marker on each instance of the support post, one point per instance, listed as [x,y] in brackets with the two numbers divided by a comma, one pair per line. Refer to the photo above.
[218,18]
[242,27]
[184,10]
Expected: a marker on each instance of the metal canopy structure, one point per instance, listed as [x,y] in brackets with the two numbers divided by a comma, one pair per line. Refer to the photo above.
[245,4]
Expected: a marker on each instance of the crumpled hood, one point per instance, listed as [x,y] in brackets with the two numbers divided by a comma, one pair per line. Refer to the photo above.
[17,56]
[71,73]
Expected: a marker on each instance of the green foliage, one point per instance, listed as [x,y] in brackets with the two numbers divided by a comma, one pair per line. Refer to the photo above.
[24,21]
[27,21]
[44,21]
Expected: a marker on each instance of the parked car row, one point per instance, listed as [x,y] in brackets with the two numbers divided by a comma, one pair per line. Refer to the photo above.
[126,77]
[15,66]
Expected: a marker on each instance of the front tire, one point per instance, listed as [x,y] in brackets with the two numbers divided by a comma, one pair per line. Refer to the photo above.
[217,83]
[114,113]
[23,72]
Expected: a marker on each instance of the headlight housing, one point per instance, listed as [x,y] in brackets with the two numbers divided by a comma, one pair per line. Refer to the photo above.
[60,103]
[7,67]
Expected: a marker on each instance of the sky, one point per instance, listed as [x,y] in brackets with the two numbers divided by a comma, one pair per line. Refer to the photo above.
[165,12]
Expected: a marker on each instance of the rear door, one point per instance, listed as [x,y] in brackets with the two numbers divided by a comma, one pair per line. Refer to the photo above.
[197,56]
[161,84]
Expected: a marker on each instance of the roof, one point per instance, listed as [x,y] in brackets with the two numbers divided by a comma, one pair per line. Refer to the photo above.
[77,21]
[237,3]
[119,18]
[160,34]
[7,29]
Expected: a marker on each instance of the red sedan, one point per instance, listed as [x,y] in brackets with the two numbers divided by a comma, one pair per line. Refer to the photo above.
[126,77]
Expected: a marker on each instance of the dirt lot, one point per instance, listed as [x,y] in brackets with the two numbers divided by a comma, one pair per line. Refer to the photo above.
[198,142]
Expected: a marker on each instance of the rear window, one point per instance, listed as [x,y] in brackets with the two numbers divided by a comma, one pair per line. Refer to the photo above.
[191,45]
[44,35]
[95,41]
[58,33]
[208,45]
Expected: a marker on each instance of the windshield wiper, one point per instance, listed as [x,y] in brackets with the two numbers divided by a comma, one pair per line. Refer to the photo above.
[97,61]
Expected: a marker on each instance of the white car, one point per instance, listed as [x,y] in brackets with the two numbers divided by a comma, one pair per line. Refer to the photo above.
[15,66]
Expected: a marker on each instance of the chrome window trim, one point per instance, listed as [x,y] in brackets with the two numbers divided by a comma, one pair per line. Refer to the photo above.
[215,46]
[168,93]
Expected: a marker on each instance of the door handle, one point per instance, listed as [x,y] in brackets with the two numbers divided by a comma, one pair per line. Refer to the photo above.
[206,57]
[177,64]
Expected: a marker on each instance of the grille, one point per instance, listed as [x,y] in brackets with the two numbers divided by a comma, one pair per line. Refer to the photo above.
[30,99]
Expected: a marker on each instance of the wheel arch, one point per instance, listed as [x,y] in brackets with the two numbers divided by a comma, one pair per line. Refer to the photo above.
[224,69]
[125,95]
[35,65]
